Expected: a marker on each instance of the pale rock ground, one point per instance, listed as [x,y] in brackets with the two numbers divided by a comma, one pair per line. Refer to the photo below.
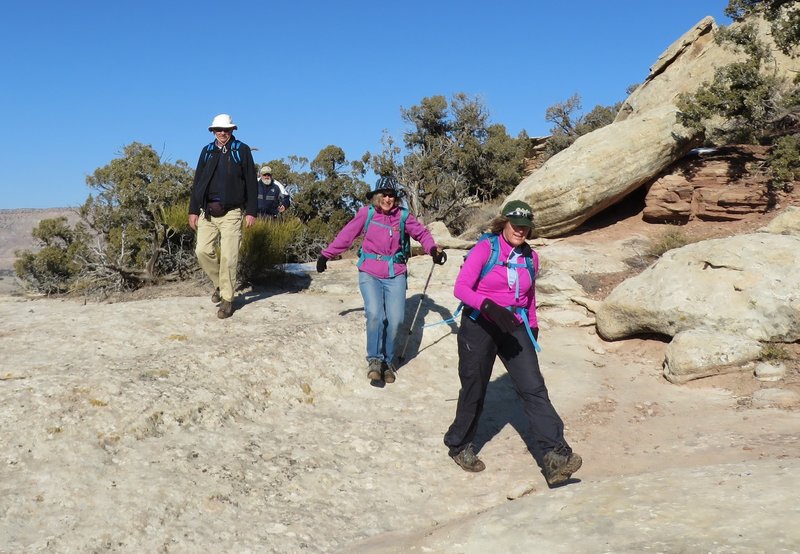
[152,426]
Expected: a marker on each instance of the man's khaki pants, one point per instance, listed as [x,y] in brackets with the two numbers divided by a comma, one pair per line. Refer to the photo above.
[222,270]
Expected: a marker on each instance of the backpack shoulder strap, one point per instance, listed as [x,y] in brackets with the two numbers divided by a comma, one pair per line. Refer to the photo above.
[494,242]
[209,150]
[370,213]
[405,242]
[531,268]
[235,152]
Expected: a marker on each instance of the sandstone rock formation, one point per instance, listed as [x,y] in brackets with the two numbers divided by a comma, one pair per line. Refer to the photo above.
[604,166]
[720,300]
[601,168]
[746,285]
[723,184]
[700,353]
[690,61]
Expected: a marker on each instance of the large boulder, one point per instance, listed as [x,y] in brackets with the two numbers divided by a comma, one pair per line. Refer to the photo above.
[601,168]
[692,60]
[699,353]
[786,223]
[747,285]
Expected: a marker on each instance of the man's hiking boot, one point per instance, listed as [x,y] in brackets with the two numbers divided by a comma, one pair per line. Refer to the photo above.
[558,467]
[225,309]
[215,298]
[389,372]
[468,460]
[374,370]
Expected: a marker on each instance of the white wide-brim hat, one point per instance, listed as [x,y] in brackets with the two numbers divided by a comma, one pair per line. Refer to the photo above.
[222,121]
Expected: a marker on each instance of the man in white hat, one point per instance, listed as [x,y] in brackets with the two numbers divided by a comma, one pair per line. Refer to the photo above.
[224,191]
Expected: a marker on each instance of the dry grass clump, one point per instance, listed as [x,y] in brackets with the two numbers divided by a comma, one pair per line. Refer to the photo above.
[669,240]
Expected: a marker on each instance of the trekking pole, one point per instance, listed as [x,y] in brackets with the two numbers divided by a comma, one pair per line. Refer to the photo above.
[413,321]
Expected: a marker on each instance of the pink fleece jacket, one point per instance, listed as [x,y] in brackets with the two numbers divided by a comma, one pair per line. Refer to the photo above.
[472,291]
[379,239]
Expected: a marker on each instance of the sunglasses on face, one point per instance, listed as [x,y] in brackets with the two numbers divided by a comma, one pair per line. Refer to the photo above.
[221,130]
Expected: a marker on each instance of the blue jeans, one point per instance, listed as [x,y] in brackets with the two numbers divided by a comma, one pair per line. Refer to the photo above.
[384,308]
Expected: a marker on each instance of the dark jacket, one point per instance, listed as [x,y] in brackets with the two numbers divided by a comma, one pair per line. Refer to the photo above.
[270,199]
[239,182]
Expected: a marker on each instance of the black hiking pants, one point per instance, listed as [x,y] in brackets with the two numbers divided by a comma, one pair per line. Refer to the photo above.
[479,342]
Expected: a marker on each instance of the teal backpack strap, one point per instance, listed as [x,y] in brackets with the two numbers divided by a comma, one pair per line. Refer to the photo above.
[531,269]
[370,213]
[494,242]
[523,313]
[235,151]
[209,150]
[404,253]
[451,319]
[361,254]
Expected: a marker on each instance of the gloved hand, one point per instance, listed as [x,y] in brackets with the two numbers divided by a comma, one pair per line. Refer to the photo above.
[322,263]
[504,319]
[438,255]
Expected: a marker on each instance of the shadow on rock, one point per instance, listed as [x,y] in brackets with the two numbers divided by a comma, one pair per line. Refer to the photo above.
[409,338]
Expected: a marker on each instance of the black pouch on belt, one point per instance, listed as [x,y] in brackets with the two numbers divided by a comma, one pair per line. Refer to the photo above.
[215,209]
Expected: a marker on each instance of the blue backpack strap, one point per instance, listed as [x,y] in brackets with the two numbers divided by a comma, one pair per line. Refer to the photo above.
[404,253]
[370,213]
[235,151]
[494,242]
[531,269]
[209,150]
[523,313]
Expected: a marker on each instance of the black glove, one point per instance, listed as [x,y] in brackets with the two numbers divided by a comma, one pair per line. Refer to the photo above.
[439,256]
[505,320]
[322,263]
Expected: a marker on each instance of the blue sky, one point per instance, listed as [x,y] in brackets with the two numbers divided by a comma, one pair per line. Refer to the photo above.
[82,79]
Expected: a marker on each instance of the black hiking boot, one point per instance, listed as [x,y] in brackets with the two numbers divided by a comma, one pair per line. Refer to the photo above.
[389,372]
[215,298]
[374,370]
[468,460]
[225,309]
[558,467]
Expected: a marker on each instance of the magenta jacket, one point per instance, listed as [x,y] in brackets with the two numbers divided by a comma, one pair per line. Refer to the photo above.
[378,240]
[494,285]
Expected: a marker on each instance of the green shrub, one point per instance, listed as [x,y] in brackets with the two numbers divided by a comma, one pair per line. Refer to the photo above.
[784,162]
[59,260]
[175,217]
[266,245]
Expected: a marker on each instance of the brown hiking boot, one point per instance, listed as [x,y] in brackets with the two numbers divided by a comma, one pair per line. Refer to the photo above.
[225,309]
[558,467]
[374,370]
[389,372]
[215,298]
[468,460]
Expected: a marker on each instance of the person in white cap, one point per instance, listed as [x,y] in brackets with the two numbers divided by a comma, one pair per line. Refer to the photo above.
[273,199]
[224,191]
